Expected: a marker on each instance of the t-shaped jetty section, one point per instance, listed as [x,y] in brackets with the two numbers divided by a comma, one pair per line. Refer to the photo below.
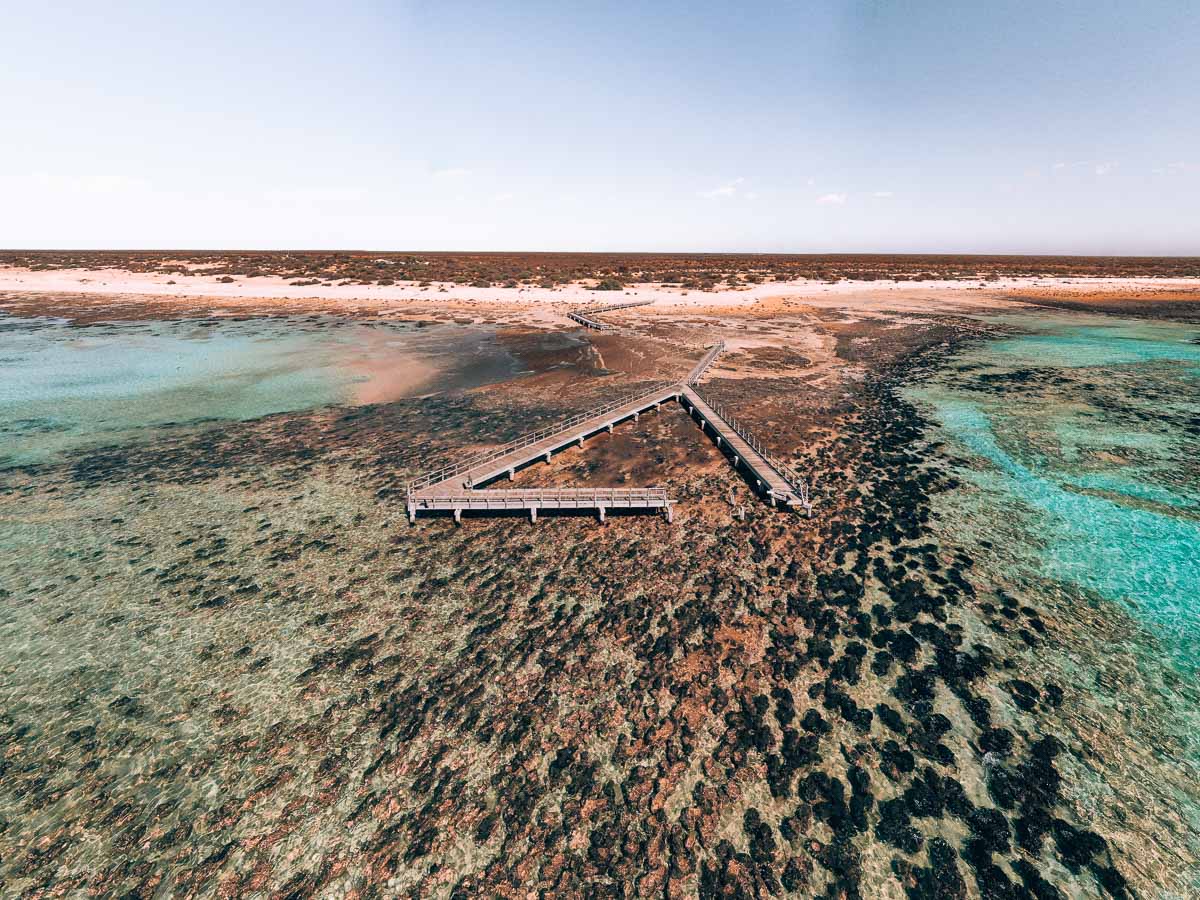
[459,487]
[456,488]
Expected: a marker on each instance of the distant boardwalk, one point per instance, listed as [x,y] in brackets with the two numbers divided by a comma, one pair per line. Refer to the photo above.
[456,488]
[589,322]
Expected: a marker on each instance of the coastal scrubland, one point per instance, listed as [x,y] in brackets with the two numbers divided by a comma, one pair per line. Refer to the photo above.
[605,271]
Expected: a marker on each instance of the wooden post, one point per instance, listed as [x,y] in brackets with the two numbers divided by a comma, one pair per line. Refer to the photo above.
[600,510]
[533,515]
[458,515]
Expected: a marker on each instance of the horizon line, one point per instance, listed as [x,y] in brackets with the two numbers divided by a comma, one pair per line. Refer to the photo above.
[748,253]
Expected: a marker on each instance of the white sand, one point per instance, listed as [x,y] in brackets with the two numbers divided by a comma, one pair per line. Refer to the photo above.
[843,293]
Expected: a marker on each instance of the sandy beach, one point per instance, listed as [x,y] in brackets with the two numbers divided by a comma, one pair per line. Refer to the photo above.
[547,305]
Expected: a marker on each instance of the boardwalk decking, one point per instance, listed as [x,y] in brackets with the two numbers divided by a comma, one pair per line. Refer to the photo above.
[484,467]
[455,488]
[531,500]
[585,317]
[706,362]
[767,474]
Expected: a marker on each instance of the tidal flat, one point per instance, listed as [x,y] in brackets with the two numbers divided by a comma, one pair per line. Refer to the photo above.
[230,666]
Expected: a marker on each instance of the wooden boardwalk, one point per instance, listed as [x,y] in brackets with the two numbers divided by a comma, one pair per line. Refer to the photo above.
[706,362]
[455,488]
[768,474]
[531,500]
[584,317]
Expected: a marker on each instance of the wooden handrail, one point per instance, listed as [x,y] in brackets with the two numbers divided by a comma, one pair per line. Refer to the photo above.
[533,437]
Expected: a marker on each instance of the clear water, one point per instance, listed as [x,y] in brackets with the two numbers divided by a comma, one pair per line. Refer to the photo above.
[65,388]
[1101,344]
[1099,467]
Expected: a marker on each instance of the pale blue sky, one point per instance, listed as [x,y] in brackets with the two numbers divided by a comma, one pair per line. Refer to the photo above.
[1068,127]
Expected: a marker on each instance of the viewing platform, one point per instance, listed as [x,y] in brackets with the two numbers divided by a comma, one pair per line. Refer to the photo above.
[534,500]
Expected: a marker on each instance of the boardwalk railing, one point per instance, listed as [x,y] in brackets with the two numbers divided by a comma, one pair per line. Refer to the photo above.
[435,490]
[533,437]
[499,498]
[584,317]
[701,367]
[789,475]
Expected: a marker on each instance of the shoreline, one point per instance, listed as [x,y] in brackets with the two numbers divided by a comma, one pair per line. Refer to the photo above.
[271,287]
[88,295]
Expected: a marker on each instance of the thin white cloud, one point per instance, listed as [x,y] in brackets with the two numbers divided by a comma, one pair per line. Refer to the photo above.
[883,194]
[450,174]
[730,189]
[1098,167]
[88,184]
[831,200]
[1172,168]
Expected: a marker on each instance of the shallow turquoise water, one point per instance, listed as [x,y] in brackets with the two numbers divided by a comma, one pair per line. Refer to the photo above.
[67,387]
[1099,467]
[1144,558]
[1115,342]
